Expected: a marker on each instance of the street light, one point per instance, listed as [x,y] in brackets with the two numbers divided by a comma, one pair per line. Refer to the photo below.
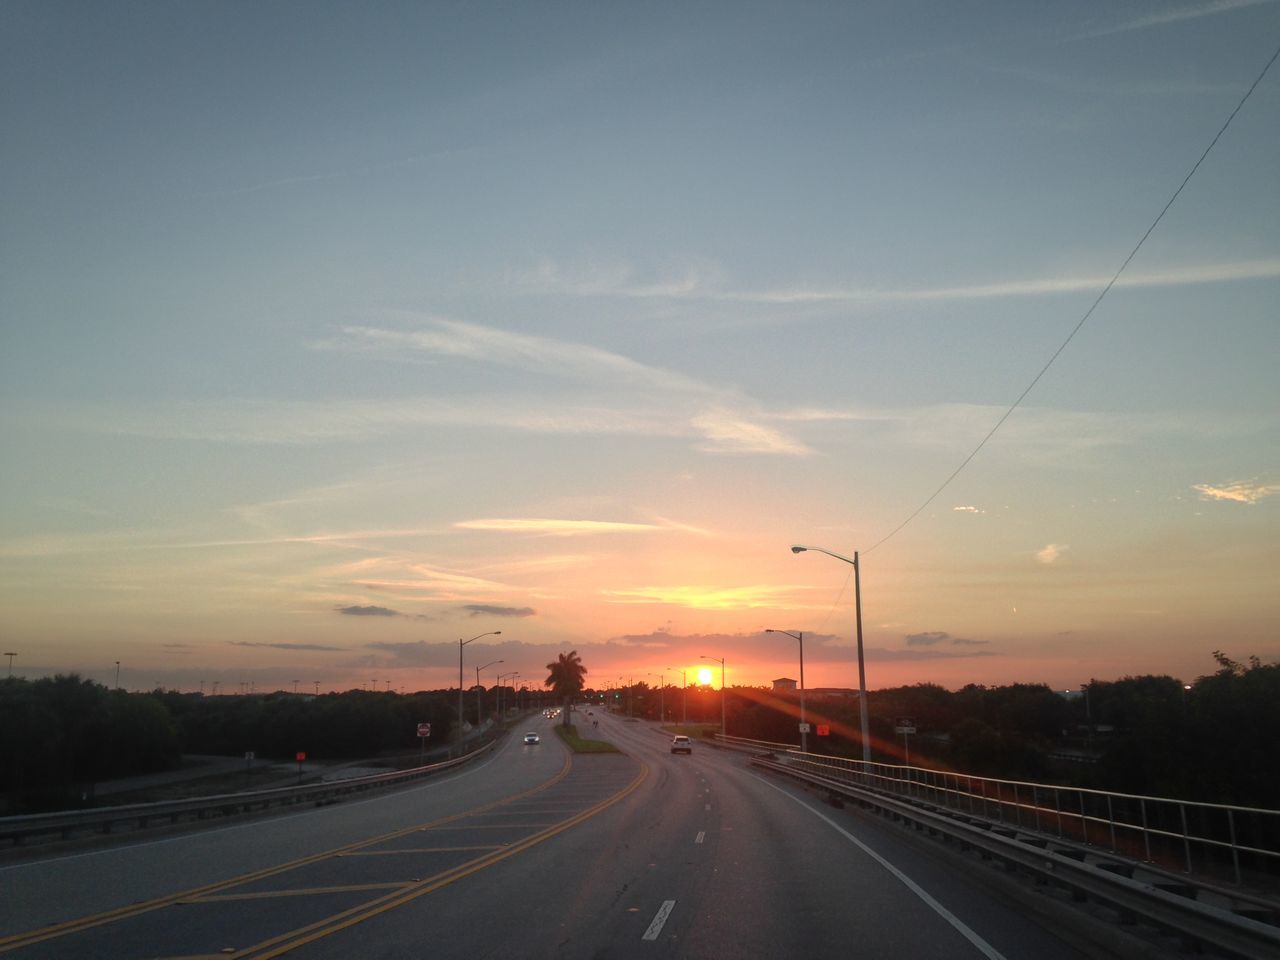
[462,643]
[721,662]
[11,656]
[117,674]
[804,727]
[480,690]
[684,696]
[662,697]
[503,706]
[862,670]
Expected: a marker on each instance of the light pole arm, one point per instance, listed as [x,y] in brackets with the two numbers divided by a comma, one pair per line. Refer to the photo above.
[799,548]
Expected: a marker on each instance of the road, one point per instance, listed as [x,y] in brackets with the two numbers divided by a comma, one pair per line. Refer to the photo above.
[534,852]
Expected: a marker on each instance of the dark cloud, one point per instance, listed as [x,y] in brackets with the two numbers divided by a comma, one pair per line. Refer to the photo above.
[285,646]
[659,640]
[932,638]
[909,656]
[927,639]
[368,611]
[485,610]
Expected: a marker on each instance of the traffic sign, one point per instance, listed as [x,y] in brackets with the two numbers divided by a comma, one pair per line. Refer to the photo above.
[824,729]
[804,728]
[300,756]
[424,729]
[904,725]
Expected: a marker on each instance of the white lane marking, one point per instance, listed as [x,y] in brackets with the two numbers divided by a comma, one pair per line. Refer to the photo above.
[983,947]
[659,919]
[702,835]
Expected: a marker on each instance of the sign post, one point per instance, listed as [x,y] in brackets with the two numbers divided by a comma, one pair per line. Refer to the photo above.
[424,731]
[905,726]
[300,756]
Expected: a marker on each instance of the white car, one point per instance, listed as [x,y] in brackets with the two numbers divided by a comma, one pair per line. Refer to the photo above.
[531,737]
[681,744]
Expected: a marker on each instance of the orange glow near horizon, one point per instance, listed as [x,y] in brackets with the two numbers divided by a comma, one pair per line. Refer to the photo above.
[704,676]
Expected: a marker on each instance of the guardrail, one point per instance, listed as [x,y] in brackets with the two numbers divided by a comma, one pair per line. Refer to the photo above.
[1214,840]
[141,815]
[1234,932]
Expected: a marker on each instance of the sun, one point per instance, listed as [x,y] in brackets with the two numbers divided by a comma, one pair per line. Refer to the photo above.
[704,676]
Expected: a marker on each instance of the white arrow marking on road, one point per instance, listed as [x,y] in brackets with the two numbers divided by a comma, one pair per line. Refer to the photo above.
[702,835]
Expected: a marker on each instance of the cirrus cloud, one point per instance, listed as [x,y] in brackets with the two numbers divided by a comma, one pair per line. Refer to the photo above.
[1238,491]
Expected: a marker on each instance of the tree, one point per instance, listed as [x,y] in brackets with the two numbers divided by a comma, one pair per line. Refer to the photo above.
[565,680]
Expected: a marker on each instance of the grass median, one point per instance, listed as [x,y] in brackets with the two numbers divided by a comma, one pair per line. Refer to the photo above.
[569,734]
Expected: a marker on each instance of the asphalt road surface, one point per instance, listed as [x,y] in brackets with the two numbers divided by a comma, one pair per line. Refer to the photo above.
[534,852]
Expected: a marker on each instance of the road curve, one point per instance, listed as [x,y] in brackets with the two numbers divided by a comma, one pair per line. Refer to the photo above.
[535,853]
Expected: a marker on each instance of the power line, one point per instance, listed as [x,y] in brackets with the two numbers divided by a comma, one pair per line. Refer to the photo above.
[1087,314]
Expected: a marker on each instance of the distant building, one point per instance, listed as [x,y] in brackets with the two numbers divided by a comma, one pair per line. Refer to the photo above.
[784,683]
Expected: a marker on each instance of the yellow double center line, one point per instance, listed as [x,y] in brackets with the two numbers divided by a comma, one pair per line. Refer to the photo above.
[403,893]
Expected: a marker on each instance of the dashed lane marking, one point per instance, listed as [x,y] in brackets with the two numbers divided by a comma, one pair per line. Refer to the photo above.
[659,920]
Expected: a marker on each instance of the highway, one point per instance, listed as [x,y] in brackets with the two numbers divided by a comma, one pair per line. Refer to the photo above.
[536,852]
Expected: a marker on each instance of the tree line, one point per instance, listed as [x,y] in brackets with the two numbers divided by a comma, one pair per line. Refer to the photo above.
[1214,740]
[60,736]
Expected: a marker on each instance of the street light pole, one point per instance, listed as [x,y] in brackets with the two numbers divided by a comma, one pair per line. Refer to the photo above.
[10,656]
[804,726]
[480,689]
[684,696]
[662,697]
[462,643]
[723,731]
[117,674]
[862,670]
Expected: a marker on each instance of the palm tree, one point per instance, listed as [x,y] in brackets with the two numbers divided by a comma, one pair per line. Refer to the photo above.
[565,679]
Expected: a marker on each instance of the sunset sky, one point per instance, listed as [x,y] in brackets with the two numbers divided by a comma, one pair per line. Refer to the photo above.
[333,334]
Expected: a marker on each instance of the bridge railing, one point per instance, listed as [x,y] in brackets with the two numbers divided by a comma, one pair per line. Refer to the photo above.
[1216,840]
[138,816]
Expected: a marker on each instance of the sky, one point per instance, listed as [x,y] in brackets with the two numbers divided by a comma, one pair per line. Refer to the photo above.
[333,335]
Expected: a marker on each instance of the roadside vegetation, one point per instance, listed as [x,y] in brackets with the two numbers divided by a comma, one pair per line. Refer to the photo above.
[1212,740]
[569,734]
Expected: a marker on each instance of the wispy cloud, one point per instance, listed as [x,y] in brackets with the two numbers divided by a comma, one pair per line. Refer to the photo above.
[1175,15]
[1239,491]
[559,528]
[1051,552]
[728,432]
[712,287]
[454,338]
[702,597]
[285,646]
[726,421]
[1033,287]
[967,509]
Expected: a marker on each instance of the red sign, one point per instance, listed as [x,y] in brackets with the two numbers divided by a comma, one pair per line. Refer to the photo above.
[300,757]
[824,729]
[424,729]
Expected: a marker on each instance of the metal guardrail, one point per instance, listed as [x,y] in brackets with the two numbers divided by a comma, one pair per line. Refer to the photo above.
[1207,839]
[106,819]
[1200,923]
